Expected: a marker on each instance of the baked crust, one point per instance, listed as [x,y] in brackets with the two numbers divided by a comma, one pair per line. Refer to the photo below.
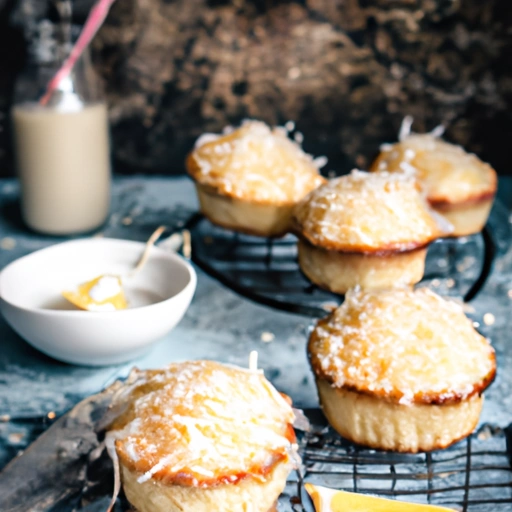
[466,218]
[402,346]
[255,164]
[383,425]
[246,495]
[372,213]
[448,174]
[202,424]
[255,219]
[338,271]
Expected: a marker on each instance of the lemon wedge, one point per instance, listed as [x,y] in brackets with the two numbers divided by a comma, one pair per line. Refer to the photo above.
[330,500]
[103,293]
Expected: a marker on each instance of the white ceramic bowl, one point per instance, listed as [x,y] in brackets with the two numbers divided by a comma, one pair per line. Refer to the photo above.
[30,300]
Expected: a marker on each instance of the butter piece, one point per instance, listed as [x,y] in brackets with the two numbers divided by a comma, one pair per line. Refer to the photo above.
[103,293]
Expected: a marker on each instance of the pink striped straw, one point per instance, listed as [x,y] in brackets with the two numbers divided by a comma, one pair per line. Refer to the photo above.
[94,21]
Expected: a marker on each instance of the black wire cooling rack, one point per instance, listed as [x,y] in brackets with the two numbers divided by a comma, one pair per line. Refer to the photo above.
[266,270]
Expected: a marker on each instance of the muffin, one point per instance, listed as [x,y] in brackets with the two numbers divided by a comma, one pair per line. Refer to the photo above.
[458,184]
[202,436]
[400,370]
[365,229]
[250,179]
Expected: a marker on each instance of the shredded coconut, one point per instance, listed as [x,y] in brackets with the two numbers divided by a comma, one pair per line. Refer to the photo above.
[201,419]
[373,210]
[402,343]
[438,131]
[256,162]
[106,288]
[289,126]
[446,171]
[405,128]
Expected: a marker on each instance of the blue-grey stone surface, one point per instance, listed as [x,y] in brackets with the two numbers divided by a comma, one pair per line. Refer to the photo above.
[219,324]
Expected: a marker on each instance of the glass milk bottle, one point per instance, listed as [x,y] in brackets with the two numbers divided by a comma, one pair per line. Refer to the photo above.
[62,148]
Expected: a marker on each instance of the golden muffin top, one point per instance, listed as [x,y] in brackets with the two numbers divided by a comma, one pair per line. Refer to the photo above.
[201,423]
[368,212]
[254,163]
[447,172]
[404,346]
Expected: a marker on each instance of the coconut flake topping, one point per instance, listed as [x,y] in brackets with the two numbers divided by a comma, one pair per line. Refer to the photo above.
[368,211]
[198,422]
[255,162]
[402,344]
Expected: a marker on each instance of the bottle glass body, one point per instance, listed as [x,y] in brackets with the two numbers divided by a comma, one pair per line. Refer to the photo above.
[62,149]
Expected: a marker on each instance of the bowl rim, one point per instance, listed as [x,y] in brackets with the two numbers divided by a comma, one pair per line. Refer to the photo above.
[190,286]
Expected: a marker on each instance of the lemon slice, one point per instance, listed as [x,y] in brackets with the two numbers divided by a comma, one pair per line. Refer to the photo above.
[330,500]
[103,293]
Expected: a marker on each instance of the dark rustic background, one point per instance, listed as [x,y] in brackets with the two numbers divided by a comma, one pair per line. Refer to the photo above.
[346,71]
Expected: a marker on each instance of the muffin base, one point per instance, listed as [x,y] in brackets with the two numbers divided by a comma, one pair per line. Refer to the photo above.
[466,218]
[339,271]
[374,422]
[259,219]
[245,496]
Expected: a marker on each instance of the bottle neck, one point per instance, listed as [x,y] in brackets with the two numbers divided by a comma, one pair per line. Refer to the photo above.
[50,44]
[81,87]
